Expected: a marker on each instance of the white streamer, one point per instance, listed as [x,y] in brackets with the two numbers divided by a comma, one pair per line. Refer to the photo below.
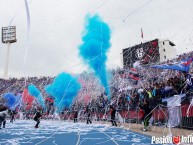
[28,33]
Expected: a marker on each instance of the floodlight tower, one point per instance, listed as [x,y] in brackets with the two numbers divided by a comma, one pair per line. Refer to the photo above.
[8,37]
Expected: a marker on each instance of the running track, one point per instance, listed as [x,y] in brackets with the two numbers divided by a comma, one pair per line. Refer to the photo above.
[53,132]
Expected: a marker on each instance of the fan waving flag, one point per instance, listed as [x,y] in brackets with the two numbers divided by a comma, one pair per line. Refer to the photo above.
[184,65]
[188,62]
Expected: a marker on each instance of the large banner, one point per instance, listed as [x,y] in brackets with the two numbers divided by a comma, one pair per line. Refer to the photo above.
[145,53]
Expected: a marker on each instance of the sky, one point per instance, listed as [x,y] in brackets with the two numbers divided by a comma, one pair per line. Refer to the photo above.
[57,25]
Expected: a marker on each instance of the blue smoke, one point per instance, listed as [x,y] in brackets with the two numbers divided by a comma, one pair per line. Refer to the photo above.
[94,47]
[34,91]
[12,101]
[63,90]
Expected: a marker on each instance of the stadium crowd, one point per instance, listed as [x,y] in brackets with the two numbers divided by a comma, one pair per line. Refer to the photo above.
[129,88]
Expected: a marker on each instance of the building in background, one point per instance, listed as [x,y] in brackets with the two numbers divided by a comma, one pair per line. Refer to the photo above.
[150,52]
[167,50]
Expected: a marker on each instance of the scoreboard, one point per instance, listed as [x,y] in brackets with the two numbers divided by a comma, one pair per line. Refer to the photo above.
[146,53]
[9,34]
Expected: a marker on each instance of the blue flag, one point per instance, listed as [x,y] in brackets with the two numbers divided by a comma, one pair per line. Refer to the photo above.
[183,65]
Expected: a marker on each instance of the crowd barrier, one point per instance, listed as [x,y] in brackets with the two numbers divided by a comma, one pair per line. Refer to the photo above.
[186,120]
[160,116]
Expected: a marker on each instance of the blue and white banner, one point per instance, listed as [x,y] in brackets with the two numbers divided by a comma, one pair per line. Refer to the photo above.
[184,65]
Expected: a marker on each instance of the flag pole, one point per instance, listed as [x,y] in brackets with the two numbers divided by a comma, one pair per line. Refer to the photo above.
[7,61]
[142,35]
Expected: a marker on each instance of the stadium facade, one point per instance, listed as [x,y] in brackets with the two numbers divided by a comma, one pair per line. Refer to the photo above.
[154,51]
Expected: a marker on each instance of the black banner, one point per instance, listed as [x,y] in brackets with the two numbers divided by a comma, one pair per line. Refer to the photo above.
[146,53]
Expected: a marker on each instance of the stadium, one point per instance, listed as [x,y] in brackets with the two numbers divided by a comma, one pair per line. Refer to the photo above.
[99,72]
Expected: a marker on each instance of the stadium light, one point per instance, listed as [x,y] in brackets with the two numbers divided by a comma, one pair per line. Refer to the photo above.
[8,37]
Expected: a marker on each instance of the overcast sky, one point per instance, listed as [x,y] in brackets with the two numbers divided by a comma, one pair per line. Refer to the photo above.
[56,27]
